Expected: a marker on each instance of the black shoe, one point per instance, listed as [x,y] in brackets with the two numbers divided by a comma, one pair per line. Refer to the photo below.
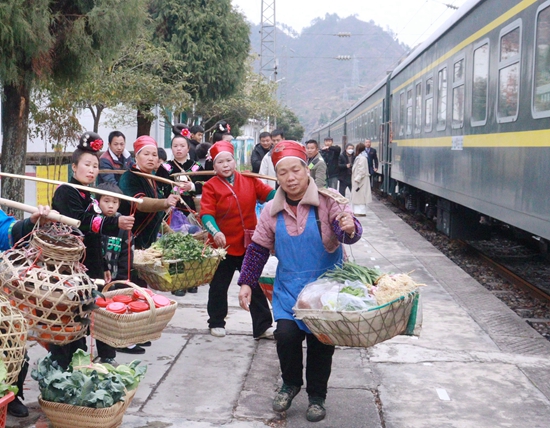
[17,408]
[179,293]
[193,290]
[148,343]
[110,361]
[135,350]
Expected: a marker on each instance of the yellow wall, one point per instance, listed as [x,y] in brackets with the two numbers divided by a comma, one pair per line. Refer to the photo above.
[44,192]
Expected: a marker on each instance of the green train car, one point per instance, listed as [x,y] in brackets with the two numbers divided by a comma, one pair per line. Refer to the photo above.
[463,123]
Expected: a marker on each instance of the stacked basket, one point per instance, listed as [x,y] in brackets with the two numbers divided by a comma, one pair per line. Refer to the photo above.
[47,282]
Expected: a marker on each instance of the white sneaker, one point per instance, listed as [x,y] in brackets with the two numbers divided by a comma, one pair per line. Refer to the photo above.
[217,332]
[268,334]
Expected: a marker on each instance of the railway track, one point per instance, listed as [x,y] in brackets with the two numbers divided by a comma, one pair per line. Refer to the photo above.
[509,275]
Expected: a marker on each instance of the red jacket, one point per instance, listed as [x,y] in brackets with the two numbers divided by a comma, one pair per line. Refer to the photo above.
[218,201]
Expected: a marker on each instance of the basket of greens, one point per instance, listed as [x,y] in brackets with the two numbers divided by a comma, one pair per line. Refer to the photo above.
[177,261]
[356,306]
[86,395]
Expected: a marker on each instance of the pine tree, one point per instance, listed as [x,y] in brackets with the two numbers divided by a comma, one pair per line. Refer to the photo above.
[60,40]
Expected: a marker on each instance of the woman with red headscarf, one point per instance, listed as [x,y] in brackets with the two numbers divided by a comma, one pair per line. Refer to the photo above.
[305,229]
[156,196]
[228,210]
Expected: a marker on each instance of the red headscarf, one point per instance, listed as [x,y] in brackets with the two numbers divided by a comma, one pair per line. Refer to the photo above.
[219,147]
[287,148]
[143,141]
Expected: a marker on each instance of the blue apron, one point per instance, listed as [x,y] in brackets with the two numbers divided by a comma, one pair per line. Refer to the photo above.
[302,259]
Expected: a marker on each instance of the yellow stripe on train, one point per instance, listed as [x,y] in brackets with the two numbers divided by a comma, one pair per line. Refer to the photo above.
[539,138]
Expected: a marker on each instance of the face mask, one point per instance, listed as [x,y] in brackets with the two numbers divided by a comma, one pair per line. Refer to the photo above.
[350,151]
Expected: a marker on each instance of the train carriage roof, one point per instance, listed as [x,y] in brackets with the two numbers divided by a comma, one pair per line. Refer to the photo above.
[437,34]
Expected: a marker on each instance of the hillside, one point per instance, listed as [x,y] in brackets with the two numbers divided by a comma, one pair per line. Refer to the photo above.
[318,87]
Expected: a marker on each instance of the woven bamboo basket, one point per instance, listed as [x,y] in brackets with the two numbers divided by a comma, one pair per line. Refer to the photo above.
[57,243]
[63,415]
[359,328]
[122,330]
[266,284]
[13,336]
[52,297]
[172,275]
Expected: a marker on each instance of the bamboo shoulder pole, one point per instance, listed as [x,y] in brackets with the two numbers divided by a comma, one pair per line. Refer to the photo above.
[76,186]
[244,173]
[55,216]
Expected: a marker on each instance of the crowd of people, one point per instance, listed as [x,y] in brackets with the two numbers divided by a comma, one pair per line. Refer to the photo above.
[295,216]
[349,171]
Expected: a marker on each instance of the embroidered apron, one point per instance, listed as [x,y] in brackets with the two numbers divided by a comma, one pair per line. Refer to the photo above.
[302,259]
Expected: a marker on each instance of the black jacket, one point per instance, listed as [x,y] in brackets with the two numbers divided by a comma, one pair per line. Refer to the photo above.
[344,174]
[187,166]
[256,157]
[116,252]
[331,155]
[372,159]
[146,225]
[80,205]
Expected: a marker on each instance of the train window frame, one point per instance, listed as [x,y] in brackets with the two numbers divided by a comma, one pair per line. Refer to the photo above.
[475,123]
[409,109]
[441,126]
[507,63]
[456,85]
[428,127]
[537,114]
[401,111]
[417,111]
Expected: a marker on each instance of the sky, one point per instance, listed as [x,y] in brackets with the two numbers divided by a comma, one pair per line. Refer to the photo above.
[412,20]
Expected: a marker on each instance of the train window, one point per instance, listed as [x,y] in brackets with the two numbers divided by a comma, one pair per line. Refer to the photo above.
[442,99]
[418,109]
[481,84]
[509,73]
[402,113]
[409,110]
[541,82]
[458,94]
[429,105]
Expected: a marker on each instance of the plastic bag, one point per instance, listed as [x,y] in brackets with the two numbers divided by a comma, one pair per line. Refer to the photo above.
[270,268]
[329,294]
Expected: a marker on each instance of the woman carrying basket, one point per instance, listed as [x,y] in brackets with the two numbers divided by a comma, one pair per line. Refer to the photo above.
[228,212]
[306,229]
[79,204]
[156,197]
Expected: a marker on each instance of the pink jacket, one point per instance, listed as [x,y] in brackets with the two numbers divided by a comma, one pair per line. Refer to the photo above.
[327,207]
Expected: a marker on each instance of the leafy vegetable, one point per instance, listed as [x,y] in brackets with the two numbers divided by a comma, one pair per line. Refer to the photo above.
[179,246]
[4,387]
[353,291]
[86,384]
[353,272]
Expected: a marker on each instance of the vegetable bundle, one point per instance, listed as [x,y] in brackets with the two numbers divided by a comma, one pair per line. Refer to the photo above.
[86,384]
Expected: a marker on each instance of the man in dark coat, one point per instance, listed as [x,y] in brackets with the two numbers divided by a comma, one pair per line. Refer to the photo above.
[260,150]
[331,154]
[372,159]
[116,157]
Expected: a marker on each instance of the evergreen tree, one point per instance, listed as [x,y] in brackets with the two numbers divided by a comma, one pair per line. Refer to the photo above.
[48,39]
[211,37]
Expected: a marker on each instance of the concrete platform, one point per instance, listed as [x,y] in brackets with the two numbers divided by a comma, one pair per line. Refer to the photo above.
[476,364]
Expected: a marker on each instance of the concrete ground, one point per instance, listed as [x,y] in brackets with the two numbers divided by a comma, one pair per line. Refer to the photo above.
[476,364]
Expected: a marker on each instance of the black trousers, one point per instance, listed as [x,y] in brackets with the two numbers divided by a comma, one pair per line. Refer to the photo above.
[63,354]
[217,298]
[318,360]
[342,186]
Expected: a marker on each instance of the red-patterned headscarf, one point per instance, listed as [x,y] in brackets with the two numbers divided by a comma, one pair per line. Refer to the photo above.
[285,149]
[219,147]
[143,141]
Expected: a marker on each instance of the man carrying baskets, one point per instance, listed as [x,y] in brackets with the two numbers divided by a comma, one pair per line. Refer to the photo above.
[306,229]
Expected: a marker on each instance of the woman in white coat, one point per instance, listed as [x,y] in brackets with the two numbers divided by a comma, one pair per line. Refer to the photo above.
[360,182]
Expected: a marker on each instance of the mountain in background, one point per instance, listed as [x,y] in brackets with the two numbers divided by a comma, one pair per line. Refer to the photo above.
[316,86]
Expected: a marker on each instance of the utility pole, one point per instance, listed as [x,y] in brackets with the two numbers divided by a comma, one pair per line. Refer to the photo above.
[268,61]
